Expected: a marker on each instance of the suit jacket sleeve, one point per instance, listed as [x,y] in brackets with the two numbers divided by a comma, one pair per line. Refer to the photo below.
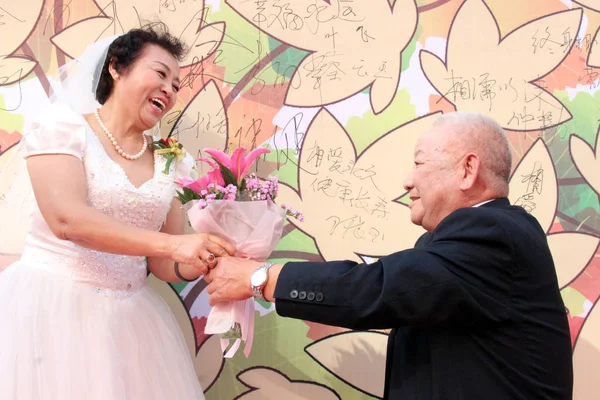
[463,274]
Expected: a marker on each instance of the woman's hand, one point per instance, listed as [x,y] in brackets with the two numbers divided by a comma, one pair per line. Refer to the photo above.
[190,252]
[200,250]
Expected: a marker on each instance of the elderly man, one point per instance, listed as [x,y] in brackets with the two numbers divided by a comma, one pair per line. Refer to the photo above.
[475,307]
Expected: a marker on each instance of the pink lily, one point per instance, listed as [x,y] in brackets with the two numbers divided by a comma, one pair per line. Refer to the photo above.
[213,176]
[238,163]
[195,185]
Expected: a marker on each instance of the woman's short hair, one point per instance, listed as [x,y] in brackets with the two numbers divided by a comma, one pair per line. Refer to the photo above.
[124,51]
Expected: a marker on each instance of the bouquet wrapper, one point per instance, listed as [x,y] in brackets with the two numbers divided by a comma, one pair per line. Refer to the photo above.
[256,228]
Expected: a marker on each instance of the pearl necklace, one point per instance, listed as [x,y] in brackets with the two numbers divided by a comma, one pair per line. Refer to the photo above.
[113,141]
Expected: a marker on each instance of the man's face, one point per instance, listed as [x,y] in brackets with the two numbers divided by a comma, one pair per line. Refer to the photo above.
[433,183]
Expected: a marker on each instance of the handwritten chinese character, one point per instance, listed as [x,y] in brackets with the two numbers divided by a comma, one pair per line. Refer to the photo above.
[506,87]
[316,154]
[322,185]
[382,71]
[332,36]
[349,167]
[344,191]
[486,89]
[540,86]
[359,70]
[534,185]
[460,87]
[545,119]
[539,43]
[534,179]
[319,66]
[364,35]
[259,17]
[591,77]
[521,117]
[375,234]
[362,174]
[567,40]
[333,73]
[361,200]
[348,11]
[380,208]
[335,156]
[354,223]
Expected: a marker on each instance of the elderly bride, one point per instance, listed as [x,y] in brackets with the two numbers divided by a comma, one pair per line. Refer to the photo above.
[77,320]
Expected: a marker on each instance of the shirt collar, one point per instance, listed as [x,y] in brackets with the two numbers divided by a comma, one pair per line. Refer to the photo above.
[482,203]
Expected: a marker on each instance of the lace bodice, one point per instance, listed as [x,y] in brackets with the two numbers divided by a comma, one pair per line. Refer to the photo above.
[109,191]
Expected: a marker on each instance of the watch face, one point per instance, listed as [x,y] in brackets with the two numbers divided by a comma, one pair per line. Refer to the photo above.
[258,278]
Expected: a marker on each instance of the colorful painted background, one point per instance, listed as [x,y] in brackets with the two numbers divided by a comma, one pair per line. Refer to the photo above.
[340,90]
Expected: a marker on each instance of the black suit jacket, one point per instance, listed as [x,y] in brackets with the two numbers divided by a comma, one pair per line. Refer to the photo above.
[475,308]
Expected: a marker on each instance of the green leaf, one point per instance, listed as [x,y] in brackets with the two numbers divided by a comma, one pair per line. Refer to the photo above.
[158,145]
[170,159]
[227,175]
[187,195]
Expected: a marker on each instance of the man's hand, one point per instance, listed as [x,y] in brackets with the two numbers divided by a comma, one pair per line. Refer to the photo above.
[229,280]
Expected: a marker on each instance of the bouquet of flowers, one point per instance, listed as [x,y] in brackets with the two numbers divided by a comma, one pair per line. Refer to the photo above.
[230,202]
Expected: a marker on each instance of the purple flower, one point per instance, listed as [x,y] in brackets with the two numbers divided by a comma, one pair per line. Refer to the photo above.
[255,189]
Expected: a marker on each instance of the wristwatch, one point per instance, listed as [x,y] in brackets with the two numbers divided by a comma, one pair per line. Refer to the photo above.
[258,280]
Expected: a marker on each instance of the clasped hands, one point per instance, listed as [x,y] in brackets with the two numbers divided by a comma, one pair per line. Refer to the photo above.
[228,276]
[229,279]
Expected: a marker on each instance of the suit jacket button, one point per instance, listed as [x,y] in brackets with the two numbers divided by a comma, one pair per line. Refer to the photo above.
[319,296]
[302,295]
[294,294]
[310,296]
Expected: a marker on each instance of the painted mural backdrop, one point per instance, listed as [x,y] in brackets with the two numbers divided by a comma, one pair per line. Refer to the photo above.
[340,90]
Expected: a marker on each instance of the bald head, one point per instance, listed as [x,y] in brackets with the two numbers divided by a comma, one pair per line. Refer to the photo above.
[463,160]
[463,132]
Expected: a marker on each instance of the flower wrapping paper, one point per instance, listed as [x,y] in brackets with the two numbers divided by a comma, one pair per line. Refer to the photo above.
[255,227]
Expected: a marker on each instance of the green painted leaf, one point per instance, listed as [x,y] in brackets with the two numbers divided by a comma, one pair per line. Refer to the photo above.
[369,127]
[573,300]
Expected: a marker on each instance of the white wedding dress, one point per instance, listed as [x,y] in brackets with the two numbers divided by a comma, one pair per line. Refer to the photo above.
[79,324]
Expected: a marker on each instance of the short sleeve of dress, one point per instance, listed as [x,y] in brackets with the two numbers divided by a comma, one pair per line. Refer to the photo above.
[186,169]
[59,130]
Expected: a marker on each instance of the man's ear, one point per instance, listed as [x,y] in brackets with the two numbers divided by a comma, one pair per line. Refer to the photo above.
[469,171]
